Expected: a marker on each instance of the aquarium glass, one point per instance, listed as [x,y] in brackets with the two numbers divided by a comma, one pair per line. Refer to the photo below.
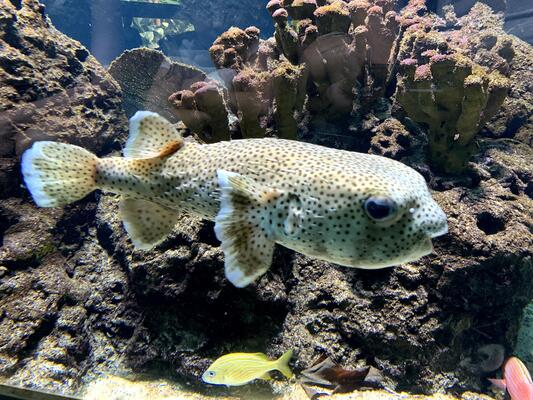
[253,199]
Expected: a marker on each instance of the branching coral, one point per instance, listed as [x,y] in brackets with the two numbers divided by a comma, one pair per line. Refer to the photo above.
[345,62]
[449,94]
[261,89]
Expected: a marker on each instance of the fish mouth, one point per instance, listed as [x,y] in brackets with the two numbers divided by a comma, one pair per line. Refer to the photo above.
[425,248]
[440,231]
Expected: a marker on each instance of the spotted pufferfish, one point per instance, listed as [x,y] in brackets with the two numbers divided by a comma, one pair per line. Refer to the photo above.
[348,208]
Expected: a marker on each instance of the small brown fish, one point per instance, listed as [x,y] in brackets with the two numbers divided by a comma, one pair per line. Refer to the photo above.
[326,373]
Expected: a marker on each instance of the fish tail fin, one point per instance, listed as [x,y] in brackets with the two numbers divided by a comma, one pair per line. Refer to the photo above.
[499,383]
[282,364]
[57,173]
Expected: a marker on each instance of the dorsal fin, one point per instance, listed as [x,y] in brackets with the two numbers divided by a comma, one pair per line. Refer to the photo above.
[151,136]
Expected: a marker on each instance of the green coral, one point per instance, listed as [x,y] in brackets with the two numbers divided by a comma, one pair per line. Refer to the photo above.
[450,95]
[289,95]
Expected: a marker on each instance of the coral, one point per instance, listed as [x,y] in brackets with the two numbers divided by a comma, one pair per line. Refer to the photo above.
[493,48]
[354,59]
[260,88]
[391,139]
[334,67]
[333,17]
[286,36]
[203,111]
[252,101]
[147,78]
[449,94]
[235,47]
[289,96]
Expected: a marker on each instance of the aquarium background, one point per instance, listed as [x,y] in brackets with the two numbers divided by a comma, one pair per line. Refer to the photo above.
[194,25]
[78,303]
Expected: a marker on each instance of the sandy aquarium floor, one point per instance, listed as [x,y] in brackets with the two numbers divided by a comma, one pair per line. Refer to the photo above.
[116,388]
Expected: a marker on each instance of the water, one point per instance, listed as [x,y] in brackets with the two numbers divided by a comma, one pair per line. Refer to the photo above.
[444,87]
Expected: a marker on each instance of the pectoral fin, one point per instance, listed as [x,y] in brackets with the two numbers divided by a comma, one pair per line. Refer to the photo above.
[147,223]
[246,240]
[266,376]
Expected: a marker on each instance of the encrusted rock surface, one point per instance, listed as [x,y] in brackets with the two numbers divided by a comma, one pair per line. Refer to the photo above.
[51,88]
[77,301]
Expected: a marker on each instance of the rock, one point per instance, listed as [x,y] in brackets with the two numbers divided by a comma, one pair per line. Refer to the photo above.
[418,317]
[51,88]
[148,78]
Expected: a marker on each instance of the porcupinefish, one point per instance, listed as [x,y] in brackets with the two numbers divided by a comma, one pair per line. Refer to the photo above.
[238,369]
[352,209]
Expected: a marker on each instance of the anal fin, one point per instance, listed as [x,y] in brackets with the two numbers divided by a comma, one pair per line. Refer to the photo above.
[246,240]
[147,223]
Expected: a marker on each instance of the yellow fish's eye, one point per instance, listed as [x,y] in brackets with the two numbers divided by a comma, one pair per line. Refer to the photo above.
[211,374]
[380,208]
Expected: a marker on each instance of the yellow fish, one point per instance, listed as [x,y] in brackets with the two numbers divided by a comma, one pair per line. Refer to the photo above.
[353,209]
[238,369]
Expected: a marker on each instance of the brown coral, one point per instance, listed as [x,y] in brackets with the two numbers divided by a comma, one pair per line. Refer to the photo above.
[235,47]
[203,111]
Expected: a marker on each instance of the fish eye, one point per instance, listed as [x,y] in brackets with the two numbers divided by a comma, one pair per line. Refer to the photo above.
[380,208]
[211,374]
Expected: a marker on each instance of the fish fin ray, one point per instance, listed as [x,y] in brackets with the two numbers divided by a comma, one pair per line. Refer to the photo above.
[499,383]
[151,136]
[266,376]
[282,364]
[147,223]
[247,247]
[57,174]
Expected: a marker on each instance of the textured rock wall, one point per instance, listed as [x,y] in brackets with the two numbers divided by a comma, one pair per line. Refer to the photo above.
[51,88]
[76,300]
